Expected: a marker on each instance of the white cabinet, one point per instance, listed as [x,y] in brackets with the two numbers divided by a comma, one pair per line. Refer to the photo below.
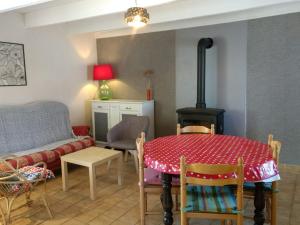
[106,114]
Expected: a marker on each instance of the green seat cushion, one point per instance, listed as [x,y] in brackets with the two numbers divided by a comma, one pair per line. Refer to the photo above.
[251,186]
[210,199]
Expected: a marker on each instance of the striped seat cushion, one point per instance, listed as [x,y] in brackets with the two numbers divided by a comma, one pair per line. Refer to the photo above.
[251,186]
[210,199]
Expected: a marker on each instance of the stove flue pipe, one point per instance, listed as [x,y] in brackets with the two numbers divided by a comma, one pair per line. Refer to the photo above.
[203,44]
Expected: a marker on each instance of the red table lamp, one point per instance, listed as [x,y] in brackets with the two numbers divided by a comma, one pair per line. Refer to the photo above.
[103,73]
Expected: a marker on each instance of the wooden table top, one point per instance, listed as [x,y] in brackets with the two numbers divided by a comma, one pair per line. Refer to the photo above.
[91,156]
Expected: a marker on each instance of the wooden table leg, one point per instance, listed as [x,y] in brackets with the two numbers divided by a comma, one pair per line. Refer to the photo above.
[259,203]
[120,163]
[166,198]
[64,175]
[92,174]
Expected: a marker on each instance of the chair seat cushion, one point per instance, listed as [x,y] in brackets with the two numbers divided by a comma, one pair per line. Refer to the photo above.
[251,186]
[210,199]
[124,144]
[32,173]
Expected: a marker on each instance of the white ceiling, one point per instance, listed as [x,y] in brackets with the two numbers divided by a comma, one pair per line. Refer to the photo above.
[106,16]
[22,5]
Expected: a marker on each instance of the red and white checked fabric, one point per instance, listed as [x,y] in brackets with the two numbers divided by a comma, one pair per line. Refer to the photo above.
[163,154]
[50,156]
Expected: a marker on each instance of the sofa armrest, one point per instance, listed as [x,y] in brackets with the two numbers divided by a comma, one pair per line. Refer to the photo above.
[82,130]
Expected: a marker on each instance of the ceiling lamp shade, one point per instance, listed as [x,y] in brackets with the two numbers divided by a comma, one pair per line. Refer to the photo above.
[136,17]
[103,72]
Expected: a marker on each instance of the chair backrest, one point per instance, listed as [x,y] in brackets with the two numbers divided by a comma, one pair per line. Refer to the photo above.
[270,139]
[132,126]
[275,147]
[195,129]
[140,148]
[209,169]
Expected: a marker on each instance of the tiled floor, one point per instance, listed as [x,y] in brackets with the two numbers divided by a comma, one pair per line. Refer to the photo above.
[119,205]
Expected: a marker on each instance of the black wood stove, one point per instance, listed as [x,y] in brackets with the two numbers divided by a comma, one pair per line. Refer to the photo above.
[200,115]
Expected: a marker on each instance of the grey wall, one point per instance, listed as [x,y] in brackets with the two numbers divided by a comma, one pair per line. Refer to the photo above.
[226,71]
[253,72]
[273,81]
[131,56]
[225,80]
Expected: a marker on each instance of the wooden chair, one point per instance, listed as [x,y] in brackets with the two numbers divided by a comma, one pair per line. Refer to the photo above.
[271,188]
[195,129]
[200,197]
[149,185]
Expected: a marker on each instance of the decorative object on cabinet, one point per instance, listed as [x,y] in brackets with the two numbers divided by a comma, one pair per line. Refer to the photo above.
[108,113]
[103,73]
[136,16]
[148,74]
[12,64]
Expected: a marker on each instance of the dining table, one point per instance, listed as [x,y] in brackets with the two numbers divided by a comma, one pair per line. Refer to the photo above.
[163,154]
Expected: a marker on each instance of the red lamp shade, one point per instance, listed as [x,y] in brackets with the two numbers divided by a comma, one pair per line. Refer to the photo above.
[103,72]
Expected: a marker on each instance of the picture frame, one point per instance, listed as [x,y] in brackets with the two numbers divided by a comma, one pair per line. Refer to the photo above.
[12,64]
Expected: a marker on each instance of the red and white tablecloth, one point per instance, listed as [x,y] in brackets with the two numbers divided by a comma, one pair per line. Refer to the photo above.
[163,154]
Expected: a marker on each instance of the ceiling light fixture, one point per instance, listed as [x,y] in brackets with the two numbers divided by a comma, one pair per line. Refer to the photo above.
[136,16]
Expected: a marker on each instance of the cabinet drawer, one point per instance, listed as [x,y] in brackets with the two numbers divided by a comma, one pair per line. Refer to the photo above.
[100,105]
[130,107]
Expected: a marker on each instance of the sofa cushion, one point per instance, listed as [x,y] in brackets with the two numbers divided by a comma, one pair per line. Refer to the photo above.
[33,125]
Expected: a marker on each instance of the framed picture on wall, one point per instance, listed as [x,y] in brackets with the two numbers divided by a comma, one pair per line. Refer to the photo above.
[12,64]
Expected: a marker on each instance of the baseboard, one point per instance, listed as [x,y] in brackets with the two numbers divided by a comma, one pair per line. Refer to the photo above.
[290,168]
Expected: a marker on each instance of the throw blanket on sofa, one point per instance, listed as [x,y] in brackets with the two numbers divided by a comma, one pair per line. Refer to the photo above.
[33,125]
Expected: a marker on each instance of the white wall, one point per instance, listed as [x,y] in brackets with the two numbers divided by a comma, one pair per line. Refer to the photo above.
[56,66]
[227,60]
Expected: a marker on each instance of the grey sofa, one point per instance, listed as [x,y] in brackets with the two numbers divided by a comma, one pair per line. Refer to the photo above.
[39,131]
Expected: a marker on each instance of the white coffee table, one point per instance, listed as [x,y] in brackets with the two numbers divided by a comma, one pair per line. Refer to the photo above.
[90,157]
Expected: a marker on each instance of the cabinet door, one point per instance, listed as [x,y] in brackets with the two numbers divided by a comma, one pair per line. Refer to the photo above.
[101,125]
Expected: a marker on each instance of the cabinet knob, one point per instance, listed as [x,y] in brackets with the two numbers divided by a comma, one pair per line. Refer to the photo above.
[128,107]
[99,107]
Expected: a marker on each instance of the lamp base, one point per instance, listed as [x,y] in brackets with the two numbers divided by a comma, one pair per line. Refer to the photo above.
[105,92]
